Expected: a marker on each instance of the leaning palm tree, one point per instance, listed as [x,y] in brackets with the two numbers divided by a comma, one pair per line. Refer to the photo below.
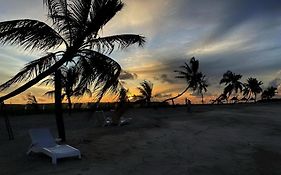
[231,80]
[269,93]
[194,79]
[145,90]
[252,87]
[76,26]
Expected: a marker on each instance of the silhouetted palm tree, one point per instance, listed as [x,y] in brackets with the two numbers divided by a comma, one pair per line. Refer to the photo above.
[123,95]
[146,91]
[202,87]
[231,80]
[69,80]
[31,99]
[121,105]
[252,87]
[194,78]
[269,93]
[76,26]
[31,102]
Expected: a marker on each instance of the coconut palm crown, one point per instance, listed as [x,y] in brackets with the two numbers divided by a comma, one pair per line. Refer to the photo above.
[69,81]
[145,90]
[76,26]
[269,93]
[232,82]
[252,87]
[195,80]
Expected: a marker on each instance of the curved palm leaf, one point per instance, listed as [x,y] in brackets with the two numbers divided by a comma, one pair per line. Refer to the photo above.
[31,70]
[108,44]
[30,34]
[101,12]
[99,71]
[194,64]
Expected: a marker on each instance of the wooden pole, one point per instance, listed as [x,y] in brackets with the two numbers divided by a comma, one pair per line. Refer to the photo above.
[7,121]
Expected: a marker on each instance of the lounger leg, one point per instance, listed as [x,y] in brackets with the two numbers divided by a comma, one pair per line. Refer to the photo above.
[28,152]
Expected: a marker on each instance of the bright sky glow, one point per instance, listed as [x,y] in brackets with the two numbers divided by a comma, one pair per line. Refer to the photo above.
[243,36]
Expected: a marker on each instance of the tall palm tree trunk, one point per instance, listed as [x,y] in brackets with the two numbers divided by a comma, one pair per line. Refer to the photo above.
[58,106]
[202,98]
[177,95]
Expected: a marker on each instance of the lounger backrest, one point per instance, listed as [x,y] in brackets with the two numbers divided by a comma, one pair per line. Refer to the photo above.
[42,137]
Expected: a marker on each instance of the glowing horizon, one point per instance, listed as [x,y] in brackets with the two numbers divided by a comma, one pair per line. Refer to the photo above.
[245,40]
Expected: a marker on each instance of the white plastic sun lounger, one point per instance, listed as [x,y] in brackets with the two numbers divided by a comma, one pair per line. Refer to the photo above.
[43,142]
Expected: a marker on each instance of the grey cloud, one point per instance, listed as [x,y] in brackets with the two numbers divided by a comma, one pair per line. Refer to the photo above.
[275,83]
[163,95]
[164,78]
[238,12]
[125,75]
[15,9]
[217,19]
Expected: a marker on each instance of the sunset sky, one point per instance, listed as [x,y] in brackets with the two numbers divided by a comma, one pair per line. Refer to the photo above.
[243,36]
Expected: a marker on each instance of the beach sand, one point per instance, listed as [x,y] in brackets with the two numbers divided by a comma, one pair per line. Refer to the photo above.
[210,140]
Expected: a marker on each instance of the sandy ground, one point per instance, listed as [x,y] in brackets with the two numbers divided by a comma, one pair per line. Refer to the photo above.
[211,140]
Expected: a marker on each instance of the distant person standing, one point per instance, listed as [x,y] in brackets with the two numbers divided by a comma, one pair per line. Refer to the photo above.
[188,104]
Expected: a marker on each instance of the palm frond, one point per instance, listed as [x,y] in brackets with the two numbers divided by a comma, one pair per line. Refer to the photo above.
[98,71]
[108,44]
[29,34]
[31,70]
[80,10]
[56,6]
[194,64]
[48,81]
[50,94]
[61,17]
[101,12]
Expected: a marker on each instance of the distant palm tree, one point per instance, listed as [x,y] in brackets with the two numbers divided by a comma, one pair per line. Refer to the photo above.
[77,25]
[194,79]
[121,105]
[252,87]
[31,102]
[231,80]
[269,93]
[202,87]
[146,91]
[70,80]
[123,95]
[31,99]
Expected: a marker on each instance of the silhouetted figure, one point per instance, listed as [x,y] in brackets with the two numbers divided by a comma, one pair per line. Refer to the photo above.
[188,102]
[7,121]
